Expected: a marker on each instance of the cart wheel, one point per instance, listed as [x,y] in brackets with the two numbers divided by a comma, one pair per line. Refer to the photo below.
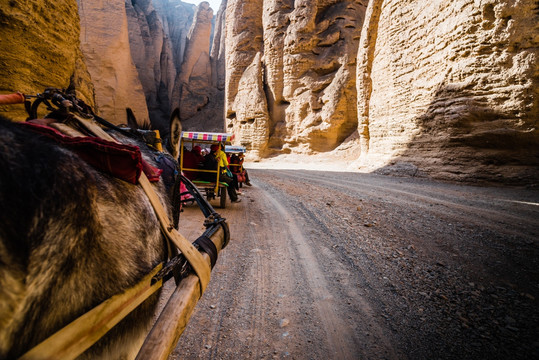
[222,191]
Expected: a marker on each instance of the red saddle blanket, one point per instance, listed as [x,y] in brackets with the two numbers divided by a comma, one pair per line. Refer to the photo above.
[119,160]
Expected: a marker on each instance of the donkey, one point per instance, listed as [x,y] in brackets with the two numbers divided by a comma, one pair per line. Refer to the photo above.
[70,238]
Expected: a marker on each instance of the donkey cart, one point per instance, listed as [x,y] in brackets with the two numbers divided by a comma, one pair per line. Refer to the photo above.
[213,188]
[91,236]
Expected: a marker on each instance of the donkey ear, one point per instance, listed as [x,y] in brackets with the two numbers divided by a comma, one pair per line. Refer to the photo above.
[175,133]
[131,119]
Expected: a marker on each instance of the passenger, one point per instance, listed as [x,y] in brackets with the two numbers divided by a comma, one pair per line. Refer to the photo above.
[238,160]
[192,160]
[211,161]
[197,150]
[224,162]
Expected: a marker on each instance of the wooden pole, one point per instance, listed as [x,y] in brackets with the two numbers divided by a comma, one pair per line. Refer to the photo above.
[79,335]
[172,321]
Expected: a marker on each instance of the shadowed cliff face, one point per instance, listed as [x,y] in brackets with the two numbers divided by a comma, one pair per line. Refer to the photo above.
[39,48]
[105,45]
[170,45]
[450,90]
[157,35]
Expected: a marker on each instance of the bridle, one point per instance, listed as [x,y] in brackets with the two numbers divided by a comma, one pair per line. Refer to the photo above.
[70,338]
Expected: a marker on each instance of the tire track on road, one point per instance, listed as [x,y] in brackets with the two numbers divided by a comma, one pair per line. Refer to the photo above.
[342,341]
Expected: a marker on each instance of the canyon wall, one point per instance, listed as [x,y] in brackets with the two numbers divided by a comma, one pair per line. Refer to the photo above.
[170,45]
[450,88]
[157,35]
[308,51]
[104,41]
[446,88]
[39,48]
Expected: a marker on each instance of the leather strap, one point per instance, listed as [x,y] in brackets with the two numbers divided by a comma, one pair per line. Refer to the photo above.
[193,256]
[209,248]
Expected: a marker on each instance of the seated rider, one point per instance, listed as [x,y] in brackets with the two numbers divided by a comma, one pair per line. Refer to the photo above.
[239,169]
[192,160]
[211,161]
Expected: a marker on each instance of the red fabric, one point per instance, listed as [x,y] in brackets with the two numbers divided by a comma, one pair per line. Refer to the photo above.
[241,177]
[119,160]
[191,161]
[235,160]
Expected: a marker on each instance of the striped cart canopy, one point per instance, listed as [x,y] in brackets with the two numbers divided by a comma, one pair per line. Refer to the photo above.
[235,148]
[208,136]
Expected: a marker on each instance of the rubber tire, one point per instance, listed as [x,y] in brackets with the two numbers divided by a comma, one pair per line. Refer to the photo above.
[222,197]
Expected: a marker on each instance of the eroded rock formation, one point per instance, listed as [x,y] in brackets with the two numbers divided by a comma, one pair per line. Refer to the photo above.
[217,55]
[243,42]
[194,79]
[105,44]
[309,57]
[451,87]
[252,108]
[170,43]
[200,83]
[39,51]
[157,34]
[444,88]
[448,89]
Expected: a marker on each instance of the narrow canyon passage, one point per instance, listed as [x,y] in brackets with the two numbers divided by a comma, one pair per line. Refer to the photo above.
[375,267]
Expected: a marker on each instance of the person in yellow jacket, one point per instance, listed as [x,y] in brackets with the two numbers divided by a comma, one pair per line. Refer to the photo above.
[222,159]
[220,155]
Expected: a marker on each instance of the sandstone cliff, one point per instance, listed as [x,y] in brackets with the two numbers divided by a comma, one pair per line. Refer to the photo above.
[309,49]
[194,79]
[200,84]
[445,88]
[157,35]
[450,88]
[170,45]
[39,48]
[105,45]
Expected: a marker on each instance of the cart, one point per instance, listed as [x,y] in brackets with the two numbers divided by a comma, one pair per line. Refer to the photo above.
[206,139]
[237,169]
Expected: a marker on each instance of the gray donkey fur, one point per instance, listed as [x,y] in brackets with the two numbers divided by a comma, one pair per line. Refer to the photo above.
[70,237]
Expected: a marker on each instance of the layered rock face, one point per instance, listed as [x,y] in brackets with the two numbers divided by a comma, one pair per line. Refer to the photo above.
[445,88]
[105,44]
[201,81]
[170,45]
[194,79]
[450,87]
[157,35]
[39,48]
[309,49]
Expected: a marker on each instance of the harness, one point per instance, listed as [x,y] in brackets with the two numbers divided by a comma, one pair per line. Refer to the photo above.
[73,339]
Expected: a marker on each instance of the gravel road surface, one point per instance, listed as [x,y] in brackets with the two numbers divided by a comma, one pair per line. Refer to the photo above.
[329,265]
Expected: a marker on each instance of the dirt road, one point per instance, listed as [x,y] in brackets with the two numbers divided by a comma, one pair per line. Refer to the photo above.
[359,266]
